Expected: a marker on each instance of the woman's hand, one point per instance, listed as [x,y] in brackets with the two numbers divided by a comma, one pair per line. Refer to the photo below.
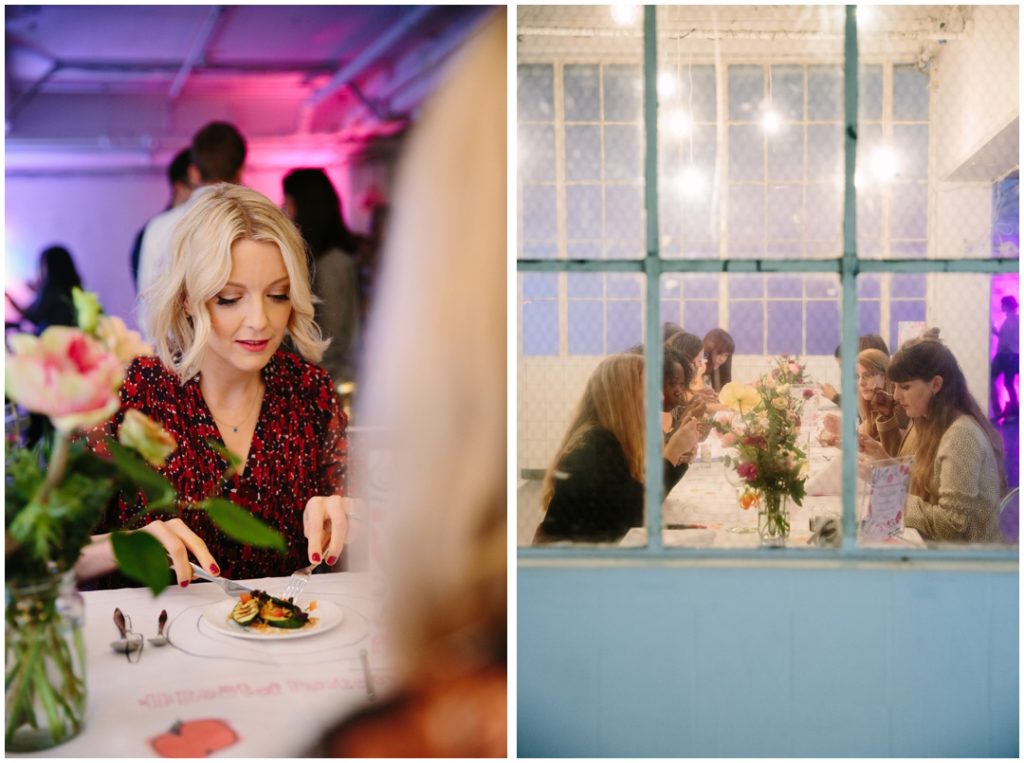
[882,403]
[325,525]
[178,540]
[683,440]
[871,448]
[829,391]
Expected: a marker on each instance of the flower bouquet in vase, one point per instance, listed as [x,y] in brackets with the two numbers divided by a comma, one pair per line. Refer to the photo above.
[56,493]
[766,457]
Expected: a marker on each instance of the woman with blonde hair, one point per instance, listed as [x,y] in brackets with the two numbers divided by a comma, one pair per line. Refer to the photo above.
[236,289]
[881,419]
[594,489]
[958,477]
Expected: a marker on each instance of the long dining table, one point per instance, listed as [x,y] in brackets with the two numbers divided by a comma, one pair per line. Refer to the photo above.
[208,692]
[703,510]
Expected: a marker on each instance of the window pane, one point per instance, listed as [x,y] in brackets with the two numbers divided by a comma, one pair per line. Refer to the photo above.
[620,285]
[700,286]
[784,218]
[536,152]
[909,211]
[824,92]
[785,328]
[703,103]
[624,218]
[625,324]
[540,328]
[539,212]
[909,93]
[586,327]
[622,155]
[821,286]
[910,143]
[824,152]
[700,317]
[536,97]
[746,324]
[671,312]
[743,286]
[540,285]
[582,92]
[583,211]
[824,212]
[585,284]
[539,251]
[785,286]
[623,93]
[787,92]
[746,152]
[903,310]
[746,213]
[823,329]
[746,91]
[869,286]
[786,153]
[869,317]
[582,152]
[908,285]
[583,251]
[870,100]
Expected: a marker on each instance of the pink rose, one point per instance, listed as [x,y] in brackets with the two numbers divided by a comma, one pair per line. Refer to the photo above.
[808,393]
[794,368]
[755,440]
[64,374]
[747,472]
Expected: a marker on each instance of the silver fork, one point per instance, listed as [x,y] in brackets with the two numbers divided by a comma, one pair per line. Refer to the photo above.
[296,584]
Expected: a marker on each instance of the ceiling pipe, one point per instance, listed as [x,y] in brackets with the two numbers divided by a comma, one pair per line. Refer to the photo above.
[197,53]
[357,65]
[434,57]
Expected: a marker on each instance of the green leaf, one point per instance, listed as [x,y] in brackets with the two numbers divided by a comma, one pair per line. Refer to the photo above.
[233,460]
[141,557]
[159,493]
[239,524]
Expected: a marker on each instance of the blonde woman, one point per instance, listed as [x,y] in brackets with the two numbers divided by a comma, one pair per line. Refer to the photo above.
[594,488]
[881,418]
[236,289]
[958,477]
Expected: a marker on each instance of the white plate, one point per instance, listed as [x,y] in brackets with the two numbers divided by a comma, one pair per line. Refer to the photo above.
[218,617]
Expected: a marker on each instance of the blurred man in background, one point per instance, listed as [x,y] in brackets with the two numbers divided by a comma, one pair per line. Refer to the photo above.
[181,189]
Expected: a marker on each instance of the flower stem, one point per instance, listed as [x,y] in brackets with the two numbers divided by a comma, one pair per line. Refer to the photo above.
[58,465]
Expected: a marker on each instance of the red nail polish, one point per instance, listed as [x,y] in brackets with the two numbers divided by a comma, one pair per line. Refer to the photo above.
[331,560]
[315,557]
[214,569]
[184,584]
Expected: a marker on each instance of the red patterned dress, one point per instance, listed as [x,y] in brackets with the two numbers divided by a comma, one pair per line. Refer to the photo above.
[299,450]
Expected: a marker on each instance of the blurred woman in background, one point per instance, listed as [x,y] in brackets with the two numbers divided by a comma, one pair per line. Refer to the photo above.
[52,306]
[719,348]
[312,203]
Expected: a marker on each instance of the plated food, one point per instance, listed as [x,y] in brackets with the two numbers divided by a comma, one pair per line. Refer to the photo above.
[259,610]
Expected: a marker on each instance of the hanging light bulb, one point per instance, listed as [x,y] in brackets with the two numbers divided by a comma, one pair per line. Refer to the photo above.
[884,164]
[865,17]
[667,85]
[678,123]
[771,121]
[625,15]
[690,182]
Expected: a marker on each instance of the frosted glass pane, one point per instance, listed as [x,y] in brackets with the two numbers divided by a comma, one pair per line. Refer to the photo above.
[869,317]
[900,310]
[583,152]
[909,93]
[583,251]
[582,92]
[821,286]
[585,284]
[823,328]
[705,287]
[824,152]
[784,286]
[869,286]
[746,286]
[824,212]
[624,212]
[746,91]
[870,98]
[618,250]
[538,285]
[784,218]
[746,213]
[787,92]
[620,285]
[586,328]
[785,331]
[746,325]
[909,211]
[535,93]
[623,93]
[538,251]
[540,328]
[910,143]
[700,317]
[539,212]
[622,154]
[908,285]
[536,152]
[625,326]
[869,215]
[824,93]
[703,103]
[746,152]
[583,211]
[786,153]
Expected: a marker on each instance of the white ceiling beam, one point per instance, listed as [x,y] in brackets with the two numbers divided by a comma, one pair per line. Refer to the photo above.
[197,53]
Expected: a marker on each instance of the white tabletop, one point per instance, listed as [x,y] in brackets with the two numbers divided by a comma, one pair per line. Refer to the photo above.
[277,697]
[708,504]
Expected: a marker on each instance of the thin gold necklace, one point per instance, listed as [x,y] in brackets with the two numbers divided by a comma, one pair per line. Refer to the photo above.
[234,427]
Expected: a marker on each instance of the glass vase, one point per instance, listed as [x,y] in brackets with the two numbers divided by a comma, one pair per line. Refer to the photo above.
[44,666]
[773,519]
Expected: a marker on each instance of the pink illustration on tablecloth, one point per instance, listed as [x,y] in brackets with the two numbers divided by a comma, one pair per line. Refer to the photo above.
[194,739]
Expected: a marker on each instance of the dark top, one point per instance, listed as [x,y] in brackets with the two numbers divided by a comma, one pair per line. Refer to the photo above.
[51,308]
[299,450]
[596,500]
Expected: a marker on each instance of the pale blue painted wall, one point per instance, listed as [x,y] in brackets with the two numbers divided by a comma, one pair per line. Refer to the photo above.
[699,661]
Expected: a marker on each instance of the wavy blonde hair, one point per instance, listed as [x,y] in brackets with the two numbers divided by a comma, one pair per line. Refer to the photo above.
[877,362]
[613,400]
[175,312]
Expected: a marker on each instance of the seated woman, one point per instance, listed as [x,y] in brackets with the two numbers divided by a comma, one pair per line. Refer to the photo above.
[691,347]
[719,347]
[237,287]
[958,477]
[594,488]
[881,418]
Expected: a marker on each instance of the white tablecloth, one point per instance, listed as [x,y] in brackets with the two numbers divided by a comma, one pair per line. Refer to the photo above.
[276,697]
[707,503]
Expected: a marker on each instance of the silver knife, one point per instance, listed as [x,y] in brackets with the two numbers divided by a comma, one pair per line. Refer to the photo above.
[231,588]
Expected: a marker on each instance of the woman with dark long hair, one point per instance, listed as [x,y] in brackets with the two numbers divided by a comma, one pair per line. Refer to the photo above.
[312,203]
[719,347]
[52,305]
[958,477]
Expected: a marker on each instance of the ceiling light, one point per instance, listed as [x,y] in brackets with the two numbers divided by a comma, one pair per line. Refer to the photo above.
[690,182]
[667,84]
[625,15]
[884,164]
[771,121]
[865,16]
[679,123]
